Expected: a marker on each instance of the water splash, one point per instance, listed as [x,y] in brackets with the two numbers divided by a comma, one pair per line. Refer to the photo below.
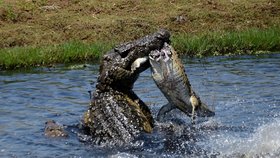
[264,141]
[123,155]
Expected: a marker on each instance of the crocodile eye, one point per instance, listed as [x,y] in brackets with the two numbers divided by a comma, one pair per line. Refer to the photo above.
[106,58]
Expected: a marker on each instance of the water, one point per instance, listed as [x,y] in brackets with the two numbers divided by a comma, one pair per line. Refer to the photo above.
[244,91]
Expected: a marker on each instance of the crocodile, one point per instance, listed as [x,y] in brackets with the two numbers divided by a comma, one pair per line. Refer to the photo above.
[170,77]
[116,115]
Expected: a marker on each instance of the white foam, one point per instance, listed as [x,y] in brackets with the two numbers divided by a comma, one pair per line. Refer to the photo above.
[123,155]
[265,140]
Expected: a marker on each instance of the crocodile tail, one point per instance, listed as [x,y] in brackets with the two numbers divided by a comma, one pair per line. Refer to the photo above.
[205,111]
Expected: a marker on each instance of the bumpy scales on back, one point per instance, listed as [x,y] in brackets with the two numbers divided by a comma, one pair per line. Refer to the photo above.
[116,114]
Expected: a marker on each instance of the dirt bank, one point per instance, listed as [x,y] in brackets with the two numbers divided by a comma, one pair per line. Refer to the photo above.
[49,22]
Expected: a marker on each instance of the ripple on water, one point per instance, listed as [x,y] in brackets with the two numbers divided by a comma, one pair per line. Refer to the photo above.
[243,90]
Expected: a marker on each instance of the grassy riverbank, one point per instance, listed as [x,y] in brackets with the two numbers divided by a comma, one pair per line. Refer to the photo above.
[252,41]
[46,32]
[24,57]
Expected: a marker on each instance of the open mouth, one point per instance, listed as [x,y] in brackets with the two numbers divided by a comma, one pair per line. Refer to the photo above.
[164,54]
[138,62]
[155,55]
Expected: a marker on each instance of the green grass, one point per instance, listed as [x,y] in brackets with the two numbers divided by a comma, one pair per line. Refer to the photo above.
[24,57]
[251,41]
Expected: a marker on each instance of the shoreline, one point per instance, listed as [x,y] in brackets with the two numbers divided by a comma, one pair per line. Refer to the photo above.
[249,42]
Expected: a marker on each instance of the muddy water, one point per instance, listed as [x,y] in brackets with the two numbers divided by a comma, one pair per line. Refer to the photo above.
[244,91]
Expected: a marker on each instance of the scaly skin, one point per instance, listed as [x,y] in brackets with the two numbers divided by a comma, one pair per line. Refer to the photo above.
[116,114]
[169,75]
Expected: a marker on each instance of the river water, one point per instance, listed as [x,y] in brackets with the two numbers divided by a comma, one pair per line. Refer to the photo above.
[244,91]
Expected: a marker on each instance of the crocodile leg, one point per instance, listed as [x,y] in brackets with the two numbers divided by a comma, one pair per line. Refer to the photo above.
[121,73]
[193,115]
[195,103]
[164,110]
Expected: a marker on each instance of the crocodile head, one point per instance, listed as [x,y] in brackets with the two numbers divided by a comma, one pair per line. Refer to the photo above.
[121,66]
[169,74]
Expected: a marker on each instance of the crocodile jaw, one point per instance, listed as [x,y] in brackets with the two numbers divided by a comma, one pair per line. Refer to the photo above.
[161,64]
[155,66]
[138,62]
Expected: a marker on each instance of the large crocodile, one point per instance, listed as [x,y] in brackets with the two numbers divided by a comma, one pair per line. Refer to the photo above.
[116,115]
[169,75]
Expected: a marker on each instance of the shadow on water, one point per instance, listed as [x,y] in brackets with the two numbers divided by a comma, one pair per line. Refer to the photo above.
[244,91]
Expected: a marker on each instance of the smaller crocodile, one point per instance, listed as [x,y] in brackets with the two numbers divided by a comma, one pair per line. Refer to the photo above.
[169,75]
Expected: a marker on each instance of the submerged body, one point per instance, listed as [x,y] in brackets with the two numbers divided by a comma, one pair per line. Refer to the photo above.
[169,75]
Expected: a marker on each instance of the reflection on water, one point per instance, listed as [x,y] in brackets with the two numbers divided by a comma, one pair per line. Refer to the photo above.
[244,91]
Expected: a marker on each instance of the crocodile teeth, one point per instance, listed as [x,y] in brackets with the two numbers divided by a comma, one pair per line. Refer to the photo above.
[137,63]
[155,55]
